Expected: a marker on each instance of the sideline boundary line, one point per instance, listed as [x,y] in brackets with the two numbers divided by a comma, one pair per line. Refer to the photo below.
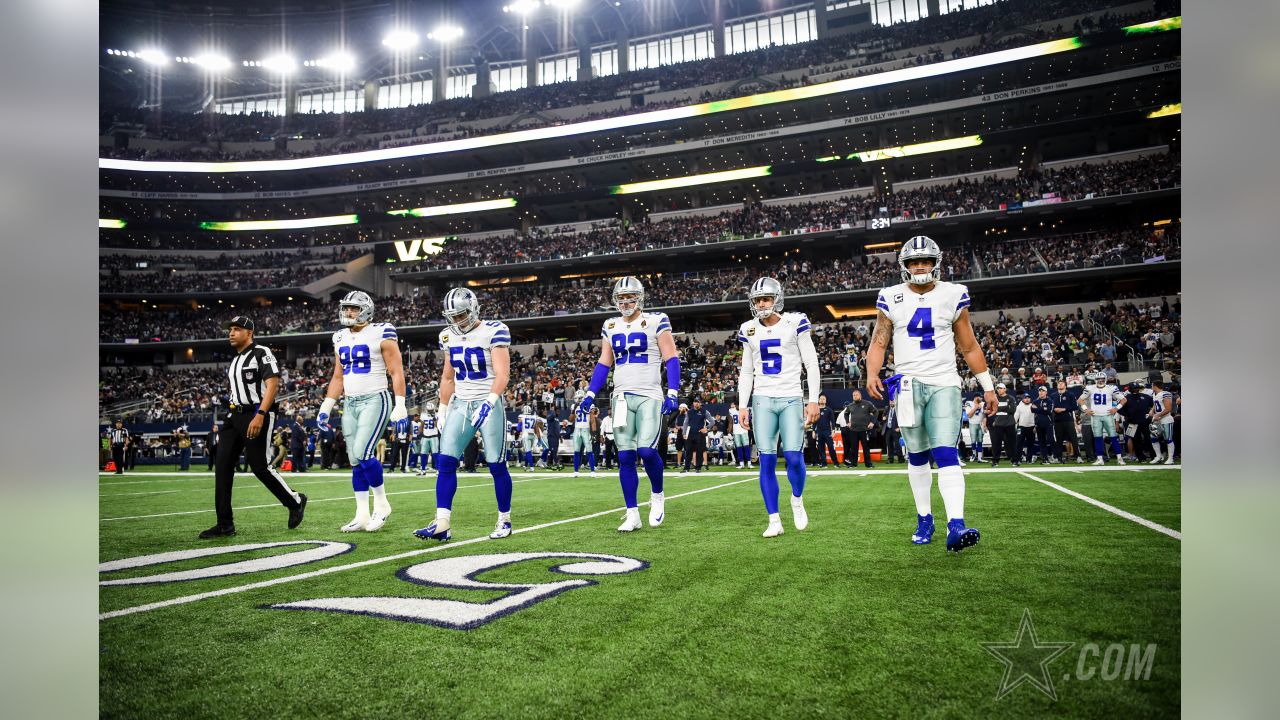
[1109,508]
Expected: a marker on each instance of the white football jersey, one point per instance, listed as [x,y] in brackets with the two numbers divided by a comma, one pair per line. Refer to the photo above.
[471,356]
[735,422]
[776,352]
[1102,399]
[1159,400]
[637,361]
[924,345]
[581,419]
[429,427]
[527,424]
[363,370]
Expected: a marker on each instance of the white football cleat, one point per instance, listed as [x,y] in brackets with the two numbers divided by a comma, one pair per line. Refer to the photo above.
[774,529]
[631,520]
[378,520]
[356,525]
[1169,461]
[501,530]
[577,474]
[1099,462]
[799,517]
[594,474]
[1120,459]
[656,509]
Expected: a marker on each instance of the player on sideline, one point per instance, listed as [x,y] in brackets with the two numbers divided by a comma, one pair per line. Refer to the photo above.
[632,346]
[927,320]
[741,438]
[365,353]
[582,420]
[528,435]
[775,346]
[1162,417]
[1103,407]
[429,440]
[476,370]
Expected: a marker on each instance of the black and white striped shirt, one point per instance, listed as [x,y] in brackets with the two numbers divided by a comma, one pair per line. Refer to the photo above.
[247,373]
[118,436]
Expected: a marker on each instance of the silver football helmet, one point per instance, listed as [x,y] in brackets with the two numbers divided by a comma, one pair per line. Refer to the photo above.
[920,246]
[359,299]
[1100,379]
[628,285]
[461,309]
[765,287]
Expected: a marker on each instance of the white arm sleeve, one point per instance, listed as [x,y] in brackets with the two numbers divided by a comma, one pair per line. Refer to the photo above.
[809,356]
[746,377]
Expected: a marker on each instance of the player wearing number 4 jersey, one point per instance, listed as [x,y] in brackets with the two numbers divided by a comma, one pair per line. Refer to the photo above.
[365,353]
[637,346]
[927,320]
[774,347]
[476,369]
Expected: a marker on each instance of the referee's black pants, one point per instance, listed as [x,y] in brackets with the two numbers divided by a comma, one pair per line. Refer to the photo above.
[117,457]
[232,443]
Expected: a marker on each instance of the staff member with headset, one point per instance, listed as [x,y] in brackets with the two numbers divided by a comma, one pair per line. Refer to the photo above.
[254,378]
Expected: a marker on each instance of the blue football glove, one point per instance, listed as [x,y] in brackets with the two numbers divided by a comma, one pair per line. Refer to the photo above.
[587,402]
[671,403]
[892,385]
[322,418]
[481,413]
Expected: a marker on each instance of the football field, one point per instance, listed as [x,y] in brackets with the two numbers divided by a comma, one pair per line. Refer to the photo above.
[1069,606]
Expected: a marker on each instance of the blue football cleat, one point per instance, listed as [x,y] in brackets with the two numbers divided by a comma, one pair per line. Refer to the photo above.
[431,532]
[960,537]
[924,530]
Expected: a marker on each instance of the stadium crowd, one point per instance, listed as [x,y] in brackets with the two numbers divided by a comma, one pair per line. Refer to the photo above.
[169,281]
[855,54]
[234,261]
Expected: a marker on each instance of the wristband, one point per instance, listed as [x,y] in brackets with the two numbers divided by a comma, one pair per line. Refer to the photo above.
[984,379]
[492,399]
[261,412]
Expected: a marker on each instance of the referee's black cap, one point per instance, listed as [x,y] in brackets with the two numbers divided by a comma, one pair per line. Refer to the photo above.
[238,321]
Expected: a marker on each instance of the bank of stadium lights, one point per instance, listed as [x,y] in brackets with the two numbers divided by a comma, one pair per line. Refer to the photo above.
[340,61]
[210,62]
[400,39]
[445,33]
[280,64]
[522,7]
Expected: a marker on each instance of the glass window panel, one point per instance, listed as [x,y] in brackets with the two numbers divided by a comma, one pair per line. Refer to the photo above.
[775,30]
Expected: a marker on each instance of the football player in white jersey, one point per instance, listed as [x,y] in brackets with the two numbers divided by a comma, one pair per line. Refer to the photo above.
[1162,418]
[927,320]
[477,366]
[637,346]
[365,353]
[528,435]
[775,345]
[429,441]
[582,432]
[1104,402]
[740,437]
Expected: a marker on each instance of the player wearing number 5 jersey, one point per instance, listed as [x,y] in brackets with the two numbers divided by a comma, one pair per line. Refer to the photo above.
[774,347]
[927,320]
[477,365]
[365,353]
[637,346]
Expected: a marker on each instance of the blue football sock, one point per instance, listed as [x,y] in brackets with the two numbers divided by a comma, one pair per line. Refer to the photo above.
[446,480]
[1115,446]
[628,476]
[1097,446]
[652,467]
[795,471]
[769,482]
[373,472]
[577,461]
[358,481]
[591,461]
[501,485]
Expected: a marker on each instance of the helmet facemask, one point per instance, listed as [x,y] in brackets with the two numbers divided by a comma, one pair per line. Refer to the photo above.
[920,246]
[765,287]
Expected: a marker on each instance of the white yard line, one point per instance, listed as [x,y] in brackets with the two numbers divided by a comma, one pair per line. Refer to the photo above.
[1109,508]
[375,561]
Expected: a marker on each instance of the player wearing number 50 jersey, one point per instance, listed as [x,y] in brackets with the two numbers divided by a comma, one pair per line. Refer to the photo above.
[365,353]
[927,320]
[637,346]
[477,365]
[774,347]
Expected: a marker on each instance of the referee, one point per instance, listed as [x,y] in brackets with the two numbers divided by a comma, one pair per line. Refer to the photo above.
[254,378]
[119,438]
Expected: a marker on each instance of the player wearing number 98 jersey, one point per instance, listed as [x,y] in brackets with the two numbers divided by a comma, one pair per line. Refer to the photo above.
[365,353]
[774,347]
[477,365]
[927,319]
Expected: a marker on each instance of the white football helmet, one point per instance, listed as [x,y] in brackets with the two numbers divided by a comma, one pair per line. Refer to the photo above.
[359,299]
[628,285]
[920,246]
[461,309]
[765,287]
[1100,379]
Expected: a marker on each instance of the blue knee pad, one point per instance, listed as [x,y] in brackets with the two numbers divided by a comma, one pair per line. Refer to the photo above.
[946,456]
[446,480]
[501,485]
[358,481]
[795,471]
[372,472]
[918,459]
[652,467]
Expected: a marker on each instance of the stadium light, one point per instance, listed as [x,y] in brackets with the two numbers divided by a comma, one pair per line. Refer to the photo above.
[282,64]
[565,5]
[445,33]
[690,180]
[212,63]
[438,210]
[1166,111]
[153,57]
[400,39]
[111,224]
[298,224]
[341,61]
[522,7]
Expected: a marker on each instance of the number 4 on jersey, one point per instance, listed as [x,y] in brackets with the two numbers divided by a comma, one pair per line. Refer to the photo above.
[921,326]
